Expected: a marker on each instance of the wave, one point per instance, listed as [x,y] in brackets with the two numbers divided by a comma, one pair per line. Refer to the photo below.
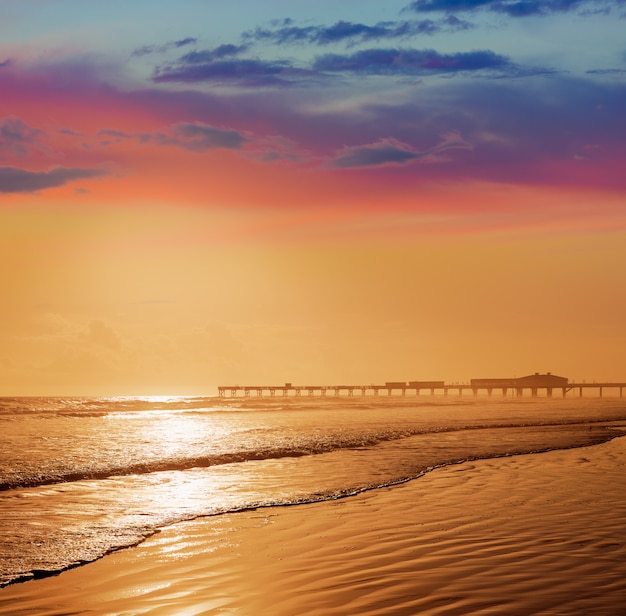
[81,405]
[309,448]
[86,407]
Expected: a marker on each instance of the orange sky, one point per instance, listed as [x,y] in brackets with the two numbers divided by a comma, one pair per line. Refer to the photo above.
[165,300]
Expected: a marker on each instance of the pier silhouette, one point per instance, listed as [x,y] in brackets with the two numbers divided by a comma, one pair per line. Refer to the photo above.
[533,384]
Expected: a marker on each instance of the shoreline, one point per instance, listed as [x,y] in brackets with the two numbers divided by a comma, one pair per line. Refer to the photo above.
[611,432]
[515,534]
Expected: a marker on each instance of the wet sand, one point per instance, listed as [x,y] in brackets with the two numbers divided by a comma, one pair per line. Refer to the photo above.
[533,534]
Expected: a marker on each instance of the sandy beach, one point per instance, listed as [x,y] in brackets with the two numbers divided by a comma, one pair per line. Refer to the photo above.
[532,534]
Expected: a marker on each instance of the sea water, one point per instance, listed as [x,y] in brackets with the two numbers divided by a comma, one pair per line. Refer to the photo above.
[82,477]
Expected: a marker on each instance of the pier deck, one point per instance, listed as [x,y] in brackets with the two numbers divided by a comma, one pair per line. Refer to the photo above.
[506,387]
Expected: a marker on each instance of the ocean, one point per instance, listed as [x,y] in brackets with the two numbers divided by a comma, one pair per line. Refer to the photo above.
[83,477]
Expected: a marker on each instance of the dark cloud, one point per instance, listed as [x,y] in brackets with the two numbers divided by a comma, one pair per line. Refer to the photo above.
[237,71]
[6,63]
[198,137]
[219,65]
[186,41]
[345,31]
[606,71]
[455,24]
[14,180]
[425,6]
[513,8]
[381,153]
[149,49]
[532,133]
[16,137]
[211,55]
[391,151]
[411,62]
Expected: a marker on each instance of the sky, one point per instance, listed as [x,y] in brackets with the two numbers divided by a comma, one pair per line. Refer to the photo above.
[197,193]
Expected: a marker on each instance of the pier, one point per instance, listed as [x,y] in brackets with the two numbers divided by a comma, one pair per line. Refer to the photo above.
[532,384]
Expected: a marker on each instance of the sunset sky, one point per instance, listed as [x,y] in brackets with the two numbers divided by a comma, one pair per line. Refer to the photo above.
[204,192]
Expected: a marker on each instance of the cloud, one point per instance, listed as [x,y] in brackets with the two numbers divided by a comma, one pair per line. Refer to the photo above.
[16,137]
[248,72]
[221,66]
[112,136]
[522,131]
[211,55]
[149,49]
[391,151]
[424,6]
[198,137]
[411,62]
[606,71]
[108,132]
[530,132]
[513,8]
[6,63]
[70,133]
[352,33]
[14,180]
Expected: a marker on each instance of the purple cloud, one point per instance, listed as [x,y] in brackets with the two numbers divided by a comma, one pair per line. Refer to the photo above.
[149,49]
[16,137]
[391,151]
[344,31]
[522,130]
[70,133]
[210,55]
[118,134]
[113,136]
[424,6]
[240,72]
[198,137]
[411,62]
[606,71]
[14,180]
[513,8]
[220,66]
